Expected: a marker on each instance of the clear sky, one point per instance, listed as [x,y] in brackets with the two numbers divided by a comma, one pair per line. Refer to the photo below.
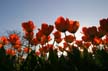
[14,12]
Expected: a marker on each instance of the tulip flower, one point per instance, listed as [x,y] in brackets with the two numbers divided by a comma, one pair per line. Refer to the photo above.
[61,24]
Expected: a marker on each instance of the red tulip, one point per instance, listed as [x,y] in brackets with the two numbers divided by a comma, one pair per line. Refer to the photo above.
[57,35]
[87,44]
[86,38]
[39,34]
[26,50]
[46,29]
[73,26]
[89,33]
[104,23]
[61,24]
[69,38]
[79,42]
[92,31]
[10,52]
[15,40]
[84,30]
[19,49]
[97,41]
[101,32]
[58,40]
[45,39]
[3,40]
[37,53]
[34,41]
[28,26]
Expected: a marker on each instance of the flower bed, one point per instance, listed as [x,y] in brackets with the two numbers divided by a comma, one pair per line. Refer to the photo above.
[55,47]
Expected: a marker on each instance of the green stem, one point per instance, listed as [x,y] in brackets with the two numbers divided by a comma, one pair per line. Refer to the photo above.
[65,34]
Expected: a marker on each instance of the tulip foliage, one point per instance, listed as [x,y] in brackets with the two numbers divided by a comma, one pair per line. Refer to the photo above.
[56,47]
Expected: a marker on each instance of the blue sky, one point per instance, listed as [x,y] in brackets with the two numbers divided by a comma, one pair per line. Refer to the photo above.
[14,12]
